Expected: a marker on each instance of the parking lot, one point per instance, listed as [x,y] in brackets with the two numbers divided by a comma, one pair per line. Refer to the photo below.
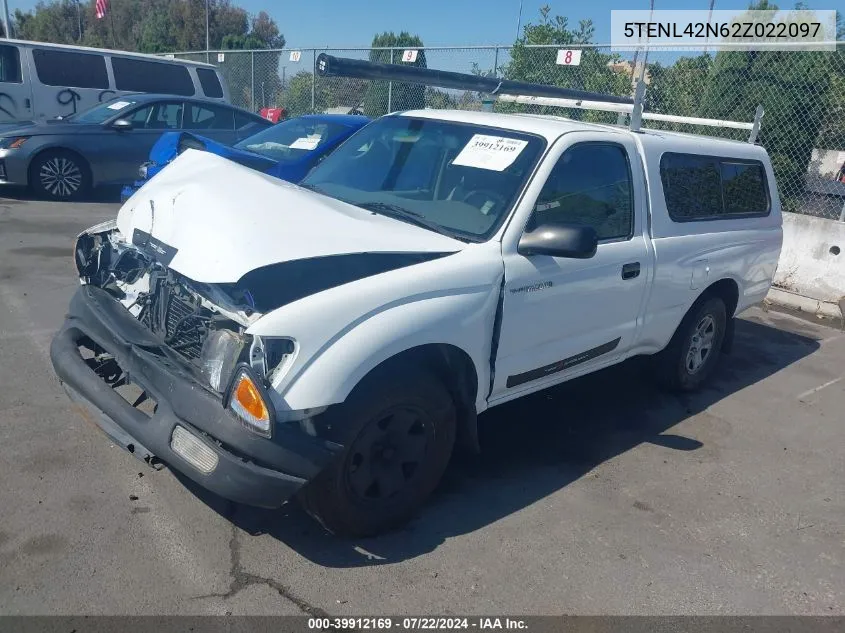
[603,495]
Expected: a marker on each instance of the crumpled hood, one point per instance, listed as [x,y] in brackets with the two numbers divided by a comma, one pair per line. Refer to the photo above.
[214,221]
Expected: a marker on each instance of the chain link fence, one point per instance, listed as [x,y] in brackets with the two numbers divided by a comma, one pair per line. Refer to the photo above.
[803,94]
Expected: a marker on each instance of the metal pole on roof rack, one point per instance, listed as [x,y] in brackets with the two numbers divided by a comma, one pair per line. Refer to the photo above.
[331,66]
[758,120]
[637,112]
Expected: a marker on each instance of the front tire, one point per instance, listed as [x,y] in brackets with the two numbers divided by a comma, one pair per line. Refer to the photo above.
[694,351]
[403,432]
[59,175]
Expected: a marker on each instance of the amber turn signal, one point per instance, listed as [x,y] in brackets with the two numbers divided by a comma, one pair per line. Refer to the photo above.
[248,404]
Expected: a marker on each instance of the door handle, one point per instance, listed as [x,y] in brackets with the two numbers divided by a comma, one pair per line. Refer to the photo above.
[630,271]
[27,103]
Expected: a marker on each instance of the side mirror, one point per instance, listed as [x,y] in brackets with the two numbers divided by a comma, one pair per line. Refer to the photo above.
[122,124]
[560,240]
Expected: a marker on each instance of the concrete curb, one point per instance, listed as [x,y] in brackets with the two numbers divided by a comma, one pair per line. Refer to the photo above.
[814,307]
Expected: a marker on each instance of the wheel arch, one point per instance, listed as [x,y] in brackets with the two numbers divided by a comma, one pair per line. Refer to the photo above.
[450,364]
[726,289]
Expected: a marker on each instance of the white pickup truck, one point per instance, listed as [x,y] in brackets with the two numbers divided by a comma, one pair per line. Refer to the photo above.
[336,338]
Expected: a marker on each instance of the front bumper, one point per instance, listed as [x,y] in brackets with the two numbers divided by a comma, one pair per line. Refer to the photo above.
[14,167]
[250,469]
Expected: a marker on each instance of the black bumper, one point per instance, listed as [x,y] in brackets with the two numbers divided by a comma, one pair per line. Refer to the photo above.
[250,469]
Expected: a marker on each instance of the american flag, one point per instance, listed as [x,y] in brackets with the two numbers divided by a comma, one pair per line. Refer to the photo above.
[102,5]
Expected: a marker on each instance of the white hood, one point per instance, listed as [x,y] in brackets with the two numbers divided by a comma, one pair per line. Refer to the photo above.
[225,220]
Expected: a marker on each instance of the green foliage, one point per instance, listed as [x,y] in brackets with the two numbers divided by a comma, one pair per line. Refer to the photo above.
[148,26]
[539,65]
[795,89]
[331,92]
[402,96]
[677,89]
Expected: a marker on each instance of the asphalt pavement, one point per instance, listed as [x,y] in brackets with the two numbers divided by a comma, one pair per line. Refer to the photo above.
[601,496]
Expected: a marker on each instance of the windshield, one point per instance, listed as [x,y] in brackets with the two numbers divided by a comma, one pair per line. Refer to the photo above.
[292,139]
[456,178]
[102,112]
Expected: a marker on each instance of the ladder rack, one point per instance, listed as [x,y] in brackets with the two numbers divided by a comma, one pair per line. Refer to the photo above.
[521,92]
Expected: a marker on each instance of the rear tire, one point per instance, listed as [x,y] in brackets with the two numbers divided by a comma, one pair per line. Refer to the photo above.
[402,435]
[694,351]
[61,175]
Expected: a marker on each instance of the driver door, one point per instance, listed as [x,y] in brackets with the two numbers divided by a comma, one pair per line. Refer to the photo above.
[560,316]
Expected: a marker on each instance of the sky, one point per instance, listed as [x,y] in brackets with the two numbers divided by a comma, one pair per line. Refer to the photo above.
[339,23]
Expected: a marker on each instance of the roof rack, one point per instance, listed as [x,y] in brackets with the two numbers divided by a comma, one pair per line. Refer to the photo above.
[331,66]
[521,92]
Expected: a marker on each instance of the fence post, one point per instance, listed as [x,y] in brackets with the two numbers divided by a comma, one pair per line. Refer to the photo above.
[390,88]
[252,81]
[314,81]
[496,63]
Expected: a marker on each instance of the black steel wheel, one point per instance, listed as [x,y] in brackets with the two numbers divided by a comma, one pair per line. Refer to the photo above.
[402,430]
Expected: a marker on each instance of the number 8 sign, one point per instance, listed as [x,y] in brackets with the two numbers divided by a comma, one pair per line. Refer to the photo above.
[568,57]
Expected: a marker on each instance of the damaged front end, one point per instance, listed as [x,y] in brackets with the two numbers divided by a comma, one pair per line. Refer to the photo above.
[165,368]
[204,324]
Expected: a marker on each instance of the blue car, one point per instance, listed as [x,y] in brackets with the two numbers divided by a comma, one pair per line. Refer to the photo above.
[288,150]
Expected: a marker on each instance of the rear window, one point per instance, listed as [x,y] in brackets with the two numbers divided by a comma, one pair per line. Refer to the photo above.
[70,69]
[710,187]
[10,64]
[210,83]
[141,75]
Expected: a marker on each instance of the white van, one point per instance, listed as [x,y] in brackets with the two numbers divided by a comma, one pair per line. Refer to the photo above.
[43,81]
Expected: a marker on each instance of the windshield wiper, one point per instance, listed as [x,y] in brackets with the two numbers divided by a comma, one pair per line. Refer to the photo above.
[401,213]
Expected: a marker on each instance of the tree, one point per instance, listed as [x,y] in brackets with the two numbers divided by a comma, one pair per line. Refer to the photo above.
[54,22]
[539,65]
[793,87]
[381,97]
[677,89]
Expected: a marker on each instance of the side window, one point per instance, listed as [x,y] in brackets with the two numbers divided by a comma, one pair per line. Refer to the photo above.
[210,83]
[158,116]
[209,117]
[589,186]
[10,64]
[141,75]
[70,69]
[709,187]
[744,185]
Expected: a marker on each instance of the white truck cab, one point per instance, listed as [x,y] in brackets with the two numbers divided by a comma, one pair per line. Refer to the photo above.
[334,338]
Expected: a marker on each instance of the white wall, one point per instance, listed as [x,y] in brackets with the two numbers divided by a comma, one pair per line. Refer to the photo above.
[809,264]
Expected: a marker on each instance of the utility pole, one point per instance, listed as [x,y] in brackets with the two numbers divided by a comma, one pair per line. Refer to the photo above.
[207,39]
[7,23]
[519,19]
[78,17]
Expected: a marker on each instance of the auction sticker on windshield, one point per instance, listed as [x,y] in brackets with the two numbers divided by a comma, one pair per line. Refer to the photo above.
[305,143]
[496,153]
[119,105]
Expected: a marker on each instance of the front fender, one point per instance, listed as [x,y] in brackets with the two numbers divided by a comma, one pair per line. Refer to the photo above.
[463,320]
[345,332]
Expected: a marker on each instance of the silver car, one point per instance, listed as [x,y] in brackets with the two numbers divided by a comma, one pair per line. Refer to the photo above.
[64,158]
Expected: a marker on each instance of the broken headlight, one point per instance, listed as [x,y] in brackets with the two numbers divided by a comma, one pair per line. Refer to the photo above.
[220,353]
